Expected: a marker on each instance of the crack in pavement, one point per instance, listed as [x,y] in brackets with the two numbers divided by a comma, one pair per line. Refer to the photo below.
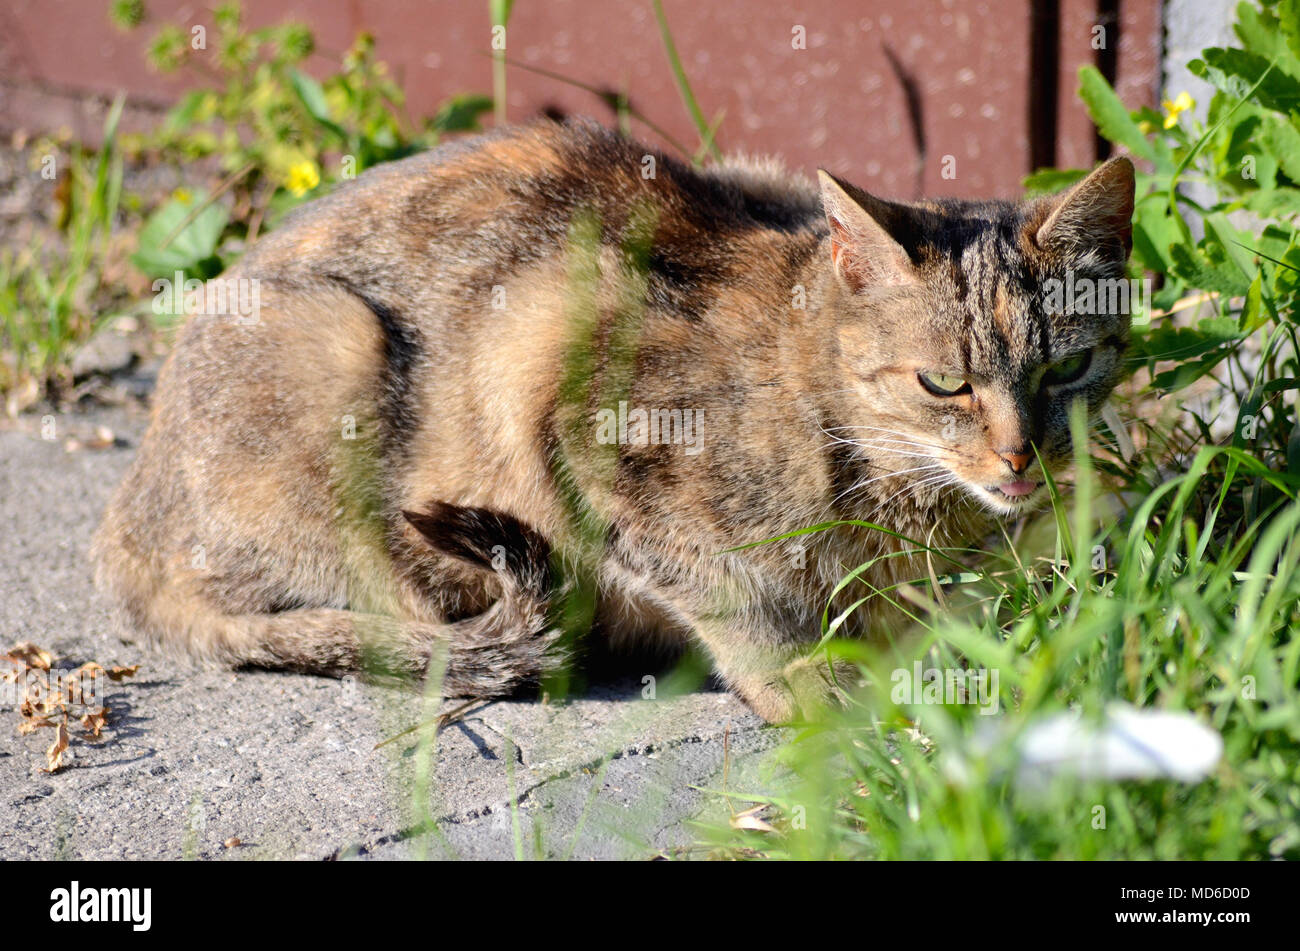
[470,815]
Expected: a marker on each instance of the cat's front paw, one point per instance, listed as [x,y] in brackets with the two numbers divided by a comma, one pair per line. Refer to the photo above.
[802,690]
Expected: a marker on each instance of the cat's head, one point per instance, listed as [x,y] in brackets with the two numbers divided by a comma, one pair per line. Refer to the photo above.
[965,330]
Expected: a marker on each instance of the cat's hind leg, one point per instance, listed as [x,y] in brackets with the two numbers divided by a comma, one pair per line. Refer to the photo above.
[488,654]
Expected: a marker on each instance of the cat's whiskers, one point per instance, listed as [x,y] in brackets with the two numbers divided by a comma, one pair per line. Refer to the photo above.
[909,488]
[870,444]
[940,476]
[903,437]
[902,452]
[940,481]
[900,472]
[906,452]
[861,444]
[877,442]
[887,444]
[913,487]
[839,439]
[881,440]
[857,486]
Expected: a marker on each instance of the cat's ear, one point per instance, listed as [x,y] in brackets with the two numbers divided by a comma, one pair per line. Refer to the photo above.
[864,248]
[1095,214]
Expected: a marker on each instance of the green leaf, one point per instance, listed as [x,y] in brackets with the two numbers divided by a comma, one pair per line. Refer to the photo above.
[1281,139]
[193,248]
[1155,229]
[1288,14]
[1235,72]
[1259,32]
[1185,374]
[311,93]
[194,107]
[1045,181]
[1168,342]
[1232,242]
[1199,271]
[461,113]
[312,96]
[1253,314]
[1239,153]
[1110,115]
[1293,452]
[1196,351]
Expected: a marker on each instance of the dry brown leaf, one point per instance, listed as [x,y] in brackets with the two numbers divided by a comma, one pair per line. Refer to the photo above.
[31,655]
[74,682]
[32,724]
[22,396]
[102,438]
[54,755]
[38,703]
[70,689]
[751,824]
[93,723]
[50,701]
[749,820]
[52,704]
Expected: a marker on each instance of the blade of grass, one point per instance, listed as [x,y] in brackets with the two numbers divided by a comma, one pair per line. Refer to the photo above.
[684,84]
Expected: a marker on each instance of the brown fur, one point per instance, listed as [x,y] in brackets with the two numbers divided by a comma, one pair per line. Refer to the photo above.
[251,531]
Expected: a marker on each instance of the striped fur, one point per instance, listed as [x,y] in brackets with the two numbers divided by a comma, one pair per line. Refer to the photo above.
[478,310]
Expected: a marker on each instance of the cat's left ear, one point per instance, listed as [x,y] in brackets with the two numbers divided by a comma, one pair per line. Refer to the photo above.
[865,248]
[1096,214]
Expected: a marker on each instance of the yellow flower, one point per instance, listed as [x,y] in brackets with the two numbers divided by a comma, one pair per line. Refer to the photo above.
[303,177]
[1145,127]
[1174,109]
[182,195]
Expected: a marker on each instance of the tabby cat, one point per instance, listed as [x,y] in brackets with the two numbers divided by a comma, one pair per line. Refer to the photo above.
[479,376]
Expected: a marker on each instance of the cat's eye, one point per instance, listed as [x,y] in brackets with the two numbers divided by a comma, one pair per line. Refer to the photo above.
[943,385]
[1069,370]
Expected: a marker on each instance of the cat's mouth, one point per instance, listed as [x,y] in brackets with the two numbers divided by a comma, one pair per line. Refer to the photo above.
[1017,490]
[1012,497]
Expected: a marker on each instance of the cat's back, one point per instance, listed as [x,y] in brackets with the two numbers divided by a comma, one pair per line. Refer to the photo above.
[507,197]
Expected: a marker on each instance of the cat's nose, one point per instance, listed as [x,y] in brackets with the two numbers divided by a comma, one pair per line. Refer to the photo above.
[1017,459]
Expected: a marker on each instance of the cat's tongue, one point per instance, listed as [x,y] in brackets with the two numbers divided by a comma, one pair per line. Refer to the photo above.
[1014,489]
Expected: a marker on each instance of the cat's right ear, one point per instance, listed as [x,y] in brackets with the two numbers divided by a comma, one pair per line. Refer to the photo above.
[864,250]
[1095,215]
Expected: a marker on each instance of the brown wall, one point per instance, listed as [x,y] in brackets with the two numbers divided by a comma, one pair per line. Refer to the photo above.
[973,72]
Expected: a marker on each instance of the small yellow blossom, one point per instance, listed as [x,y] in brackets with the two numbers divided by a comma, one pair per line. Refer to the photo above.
[1177,107]
[182,195]
[303,177]
[1146,128]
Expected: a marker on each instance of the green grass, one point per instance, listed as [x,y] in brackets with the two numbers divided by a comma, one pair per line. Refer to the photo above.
[1195,610]
[1166,578]
[49,296]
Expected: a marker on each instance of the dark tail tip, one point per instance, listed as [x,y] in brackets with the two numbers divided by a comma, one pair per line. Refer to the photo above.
[488,539]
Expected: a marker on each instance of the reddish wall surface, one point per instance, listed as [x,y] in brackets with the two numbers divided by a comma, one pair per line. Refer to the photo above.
[987,88]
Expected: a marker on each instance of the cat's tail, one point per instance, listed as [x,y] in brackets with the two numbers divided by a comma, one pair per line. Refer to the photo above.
[490,654]
[512,642]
